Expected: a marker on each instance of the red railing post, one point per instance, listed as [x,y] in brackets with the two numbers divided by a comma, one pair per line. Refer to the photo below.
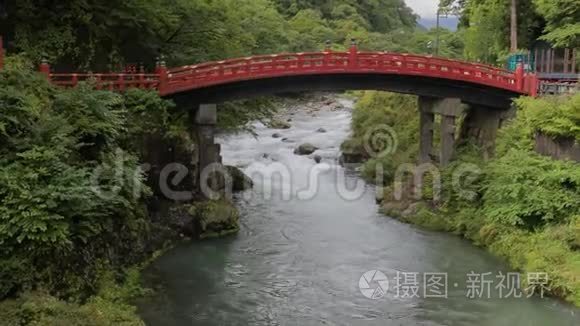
[98,79]
[44,68]
[1,53]
[353,54]
[534,85]
[121,82]
[326,54]
[161,72]
[519,75]
[300,63]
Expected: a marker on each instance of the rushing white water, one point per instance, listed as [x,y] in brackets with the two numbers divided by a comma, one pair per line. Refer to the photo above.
[299,261]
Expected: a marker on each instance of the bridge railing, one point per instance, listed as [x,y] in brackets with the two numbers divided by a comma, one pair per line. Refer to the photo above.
[436,67]
[254,67]
[109,81]
[170,81]
[211,73]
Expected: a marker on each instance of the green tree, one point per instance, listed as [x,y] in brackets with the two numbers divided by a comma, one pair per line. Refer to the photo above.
[562,21]
[486,26]
[309,31]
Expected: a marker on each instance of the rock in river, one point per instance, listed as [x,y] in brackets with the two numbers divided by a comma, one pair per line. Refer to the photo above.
[278,124]
[214,219]
[277,135]
[240,181]
[305,149]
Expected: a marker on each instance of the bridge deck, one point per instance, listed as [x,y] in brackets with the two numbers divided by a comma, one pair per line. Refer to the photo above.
[187,78]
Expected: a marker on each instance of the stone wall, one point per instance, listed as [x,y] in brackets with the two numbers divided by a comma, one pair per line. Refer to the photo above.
[560,149]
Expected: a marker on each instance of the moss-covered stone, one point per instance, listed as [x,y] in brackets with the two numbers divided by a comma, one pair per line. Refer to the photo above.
[352,152]
[240,181]
[305,149]
[278,124]
[214,219]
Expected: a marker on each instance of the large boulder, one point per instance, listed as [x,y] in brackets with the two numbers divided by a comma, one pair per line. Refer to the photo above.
[240,181]
[336,107]
[352,152]
[394,208]
[213,219]
[278,124]
[351,158]
[305,149]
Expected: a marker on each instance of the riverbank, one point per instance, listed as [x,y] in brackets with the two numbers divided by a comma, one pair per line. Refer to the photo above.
[521,206]
[72,188]
[299,256]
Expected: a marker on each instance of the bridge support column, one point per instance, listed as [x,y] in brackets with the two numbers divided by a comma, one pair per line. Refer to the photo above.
[481,125]
[447,139]
[426,121]
[449,109]
[205,120]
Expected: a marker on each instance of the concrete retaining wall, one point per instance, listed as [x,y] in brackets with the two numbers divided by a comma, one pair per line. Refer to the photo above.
[559,149]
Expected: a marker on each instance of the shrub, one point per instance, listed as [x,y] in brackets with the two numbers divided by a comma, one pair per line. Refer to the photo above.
[68,191]
[377,111]
[556,116]
[525,189]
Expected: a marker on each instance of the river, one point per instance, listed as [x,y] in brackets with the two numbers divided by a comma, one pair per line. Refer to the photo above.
[299,260]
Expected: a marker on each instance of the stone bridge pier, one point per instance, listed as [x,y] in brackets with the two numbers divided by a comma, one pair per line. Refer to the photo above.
[210,170]
[480,125]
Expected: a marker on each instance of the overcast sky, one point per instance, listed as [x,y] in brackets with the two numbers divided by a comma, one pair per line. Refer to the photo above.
[424,8]
[427,9]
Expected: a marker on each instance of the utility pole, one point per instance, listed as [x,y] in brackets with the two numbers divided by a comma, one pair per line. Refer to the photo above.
[514,27]
[437,32]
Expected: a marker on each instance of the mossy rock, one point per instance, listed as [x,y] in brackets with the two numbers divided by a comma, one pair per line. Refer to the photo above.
[305,149]
[352,152]
[278,124]
[394,208]
[214,219]
[240,181]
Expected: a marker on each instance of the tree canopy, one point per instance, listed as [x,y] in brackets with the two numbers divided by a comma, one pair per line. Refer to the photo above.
[100,34]
[485,25]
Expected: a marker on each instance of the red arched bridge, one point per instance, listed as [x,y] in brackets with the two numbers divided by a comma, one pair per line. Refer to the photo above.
[328,70]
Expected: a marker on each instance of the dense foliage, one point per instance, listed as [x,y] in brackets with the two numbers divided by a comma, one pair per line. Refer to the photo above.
[485,25]
[558,117]
[70,184]
[525,206]
[101,35]
[389,118]
[107,308]
[528,209]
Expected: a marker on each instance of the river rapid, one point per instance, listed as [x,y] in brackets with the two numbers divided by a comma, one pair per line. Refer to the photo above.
[300,255]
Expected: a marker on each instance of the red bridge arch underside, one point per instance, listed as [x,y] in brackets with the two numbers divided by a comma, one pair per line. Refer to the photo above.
[405,73]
